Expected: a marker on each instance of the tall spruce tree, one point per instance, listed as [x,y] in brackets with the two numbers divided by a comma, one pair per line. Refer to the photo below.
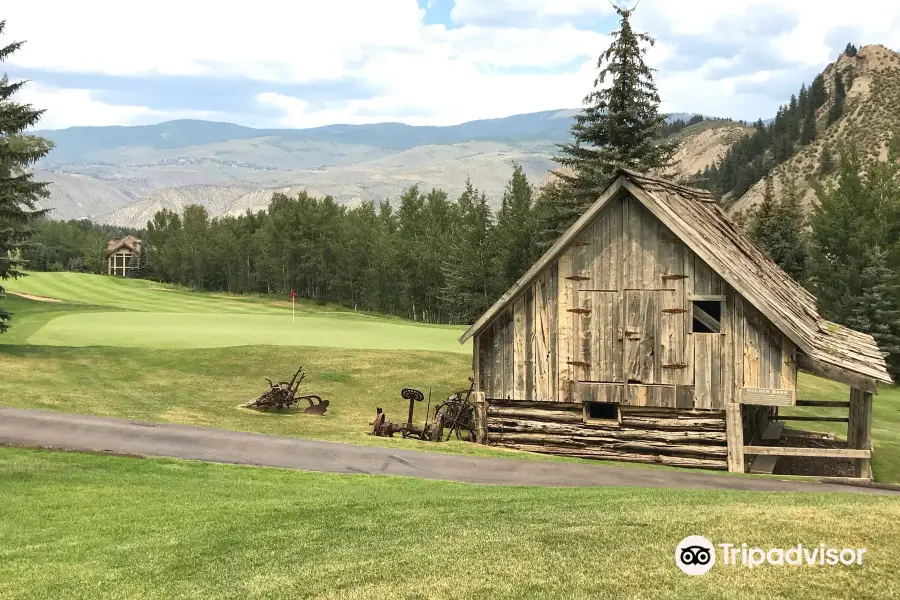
[620,126]
[19,193]
[777,227]
[514,234]
[836,238]
[468,281]
[837,102]
[854,262]
[877,306]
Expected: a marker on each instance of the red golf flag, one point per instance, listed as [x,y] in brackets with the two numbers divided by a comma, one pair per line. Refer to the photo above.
[293,294]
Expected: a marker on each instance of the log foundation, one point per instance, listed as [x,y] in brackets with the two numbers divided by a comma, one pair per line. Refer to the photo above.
[682,438]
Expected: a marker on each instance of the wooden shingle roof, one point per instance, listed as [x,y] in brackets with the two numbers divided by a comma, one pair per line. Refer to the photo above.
[826,348]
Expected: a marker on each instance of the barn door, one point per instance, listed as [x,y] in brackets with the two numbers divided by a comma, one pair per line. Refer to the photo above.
[598,349]
[643,358]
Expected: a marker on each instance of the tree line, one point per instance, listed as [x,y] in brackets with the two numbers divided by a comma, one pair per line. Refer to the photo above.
[847,252]
[428,257]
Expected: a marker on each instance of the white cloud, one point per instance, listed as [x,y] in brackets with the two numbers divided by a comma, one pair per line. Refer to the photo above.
[500,62]
[73,107]
[493,11]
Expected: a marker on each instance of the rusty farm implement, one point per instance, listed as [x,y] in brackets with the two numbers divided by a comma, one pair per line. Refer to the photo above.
[284,395]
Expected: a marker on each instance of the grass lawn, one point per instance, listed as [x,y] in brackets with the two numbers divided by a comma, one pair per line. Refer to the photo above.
[91,527]
[196,363]
[106,311]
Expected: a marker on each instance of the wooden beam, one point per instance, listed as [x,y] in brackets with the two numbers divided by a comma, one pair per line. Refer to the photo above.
[707,297]
[822,419]
[823,403]
[814,452]
[481,431]
[734,428]
[707,319]
[859,430]
[835,373]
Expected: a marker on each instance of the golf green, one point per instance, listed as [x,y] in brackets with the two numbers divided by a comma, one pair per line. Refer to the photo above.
[75,309]
[202,330]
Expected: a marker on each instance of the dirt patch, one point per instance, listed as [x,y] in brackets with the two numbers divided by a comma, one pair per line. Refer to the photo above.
[161,289]
[33,297]
[806,465]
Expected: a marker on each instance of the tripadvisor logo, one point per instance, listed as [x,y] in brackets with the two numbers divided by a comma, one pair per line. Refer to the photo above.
[695,555]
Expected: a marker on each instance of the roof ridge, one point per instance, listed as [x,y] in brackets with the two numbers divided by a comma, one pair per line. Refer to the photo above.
[697,193]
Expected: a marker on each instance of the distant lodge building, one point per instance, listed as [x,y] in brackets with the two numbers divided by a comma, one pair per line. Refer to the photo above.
[123,256]
[655,331]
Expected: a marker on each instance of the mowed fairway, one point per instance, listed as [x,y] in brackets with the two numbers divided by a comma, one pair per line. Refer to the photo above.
[147,315]
[87,527]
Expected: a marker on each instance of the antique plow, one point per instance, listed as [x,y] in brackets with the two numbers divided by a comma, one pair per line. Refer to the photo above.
[284,395]
[455,415]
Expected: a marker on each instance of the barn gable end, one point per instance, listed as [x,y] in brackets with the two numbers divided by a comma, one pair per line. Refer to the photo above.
[617,309]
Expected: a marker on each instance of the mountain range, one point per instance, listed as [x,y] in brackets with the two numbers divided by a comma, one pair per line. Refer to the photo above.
[123,175]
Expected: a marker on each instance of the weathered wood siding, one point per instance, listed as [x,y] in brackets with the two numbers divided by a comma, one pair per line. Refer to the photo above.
[616,308]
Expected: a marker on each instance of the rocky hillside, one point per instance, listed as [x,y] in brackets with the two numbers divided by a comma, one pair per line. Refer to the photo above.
[871,117]
[704,143]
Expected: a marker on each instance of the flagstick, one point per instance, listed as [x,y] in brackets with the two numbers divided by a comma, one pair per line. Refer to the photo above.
[292,309]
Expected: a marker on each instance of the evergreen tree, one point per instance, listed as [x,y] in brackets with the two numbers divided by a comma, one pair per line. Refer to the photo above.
[788,245]
[838,230]
[826,161]
[876,310]
[467,269]
[793,125]
[759,222]
[817,93]
[894,148]
[777,227]
[850,50]
[19,193]
[514,234]
[808,125]
[837,103]
[619,127]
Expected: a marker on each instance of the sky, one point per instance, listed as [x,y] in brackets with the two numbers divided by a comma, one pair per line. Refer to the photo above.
[306,63]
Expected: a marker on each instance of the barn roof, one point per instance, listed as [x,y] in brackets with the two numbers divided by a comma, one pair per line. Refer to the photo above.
[827,349]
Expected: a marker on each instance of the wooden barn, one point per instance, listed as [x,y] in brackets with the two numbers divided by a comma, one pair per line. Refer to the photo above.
[655,331]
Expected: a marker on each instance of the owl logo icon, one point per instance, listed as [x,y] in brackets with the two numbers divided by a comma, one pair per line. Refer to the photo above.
[695,555]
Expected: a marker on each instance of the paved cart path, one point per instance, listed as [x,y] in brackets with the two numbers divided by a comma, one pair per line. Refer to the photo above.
[36,428]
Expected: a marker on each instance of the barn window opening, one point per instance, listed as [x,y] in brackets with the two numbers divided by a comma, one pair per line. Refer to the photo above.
[707,316]
[603,411]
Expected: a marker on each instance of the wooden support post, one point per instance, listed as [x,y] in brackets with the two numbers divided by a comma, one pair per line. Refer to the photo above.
[476,362]
[481,427]
[734,428]
[859,429]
